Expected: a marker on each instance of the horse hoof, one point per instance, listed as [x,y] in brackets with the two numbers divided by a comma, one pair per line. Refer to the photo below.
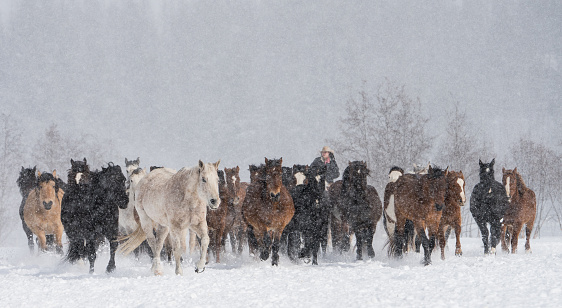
[314,262]
[199,271]
[91,271]
[306,260]
[110,269]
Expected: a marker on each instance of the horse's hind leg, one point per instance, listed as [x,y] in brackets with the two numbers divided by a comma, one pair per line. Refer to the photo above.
[29,235]
[528,229]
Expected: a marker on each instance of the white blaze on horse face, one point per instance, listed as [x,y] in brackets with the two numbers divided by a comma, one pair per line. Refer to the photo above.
[461,184]
[209,189]
[300,177]
[394,175]
[233,179]
[78,177]
[507,182]
[317,178]
[487,169]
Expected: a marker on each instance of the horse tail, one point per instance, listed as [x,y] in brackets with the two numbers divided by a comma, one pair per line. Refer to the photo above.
[131,241]
[389,214]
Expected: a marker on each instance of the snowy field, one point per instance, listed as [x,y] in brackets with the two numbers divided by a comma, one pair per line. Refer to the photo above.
[473,280]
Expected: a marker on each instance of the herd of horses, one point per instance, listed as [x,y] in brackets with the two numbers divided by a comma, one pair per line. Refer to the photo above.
[291,210]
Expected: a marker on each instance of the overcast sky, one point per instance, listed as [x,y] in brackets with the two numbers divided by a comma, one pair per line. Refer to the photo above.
[177,81]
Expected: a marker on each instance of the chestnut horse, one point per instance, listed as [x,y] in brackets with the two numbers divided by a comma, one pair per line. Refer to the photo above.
[42,210]
[236,192]
[420,199]
[521,211]
[268,208]
[451,216]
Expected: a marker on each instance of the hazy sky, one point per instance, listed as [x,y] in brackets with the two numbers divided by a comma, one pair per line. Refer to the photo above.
[177,81]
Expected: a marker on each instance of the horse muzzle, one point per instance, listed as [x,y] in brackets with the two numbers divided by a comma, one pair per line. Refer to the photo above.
[439,207]
[214,204]
[275,197]
[48,205]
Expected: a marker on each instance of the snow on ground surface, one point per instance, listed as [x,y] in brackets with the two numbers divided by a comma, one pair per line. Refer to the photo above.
[473,280]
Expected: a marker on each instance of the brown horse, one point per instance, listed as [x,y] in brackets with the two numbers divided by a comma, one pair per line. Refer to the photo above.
[521,211]
[236,192]
[268,208]
[216,220]
[451,217]
[42,210]
[420,199]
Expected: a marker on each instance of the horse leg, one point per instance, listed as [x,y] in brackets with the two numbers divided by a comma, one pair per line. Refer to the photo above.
[42,240]
[442,240]
[426,246]
[495,232]
[91,248]
[515,236]
[485,233]
[528,229]
[29,235]
[203,233]
[458,250]
[175,239]
[293,244]
[360,239]
[58,238]
[252,241]
[156,243]
[503,237]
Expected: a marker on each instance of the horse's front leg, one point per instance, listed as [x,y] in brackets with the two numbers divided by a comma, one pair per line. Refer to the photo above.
[495,232]
[91,248]
[58,238]
[203,233]
[458,250]
[426,246]
[442,240]
[515,236]
[42,241]
[485,234]
[503,235]
[275,249]
[112,248]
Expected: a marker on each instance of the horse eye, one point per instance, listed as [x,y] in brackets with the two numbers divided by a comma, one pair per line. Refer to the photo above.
[204,180]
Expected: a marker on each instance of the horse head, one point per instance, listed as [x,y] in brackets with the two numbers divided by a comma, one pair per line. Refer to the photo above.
[487,171]
[47,190]
[356,176]
[27,180]
[287,177]
[437,186]
[513,182]
[299,174]
[232,183]
[131,165]
[209,184]
[395,173]
[79,173]
[256,173]
[273,178]
[112,184]
[456,187]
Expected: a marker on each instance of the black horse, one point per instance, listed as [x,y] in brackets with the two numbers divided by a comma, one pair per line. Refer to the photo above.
[314,212]
[488,204]
[26,182]
[90,210]
[359,207]
[291,237]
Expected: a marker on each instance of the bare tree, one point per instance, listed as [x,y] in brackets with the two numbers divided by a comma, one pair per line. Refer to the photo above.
[11,151]
[385,130]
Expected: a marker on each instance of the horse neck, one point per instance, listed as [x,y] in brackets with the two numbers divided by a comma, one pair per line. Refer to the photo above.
[188,179]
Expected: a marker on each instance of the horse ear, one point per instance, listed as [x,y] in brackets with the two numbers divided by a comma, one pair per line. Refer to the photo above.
[493,162]
[22,168]
[126,161]
[237,169]
[38,173]
[281,161]
[55,173]
[266,160]
[201,165]
[85,160]
[217,164]
[480,162]
[72,161]
[447,170]
[515,170]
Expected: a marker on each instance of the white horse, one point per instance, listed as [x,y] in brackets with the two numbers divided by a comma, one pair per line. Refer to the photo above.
[170,202]
[127,222]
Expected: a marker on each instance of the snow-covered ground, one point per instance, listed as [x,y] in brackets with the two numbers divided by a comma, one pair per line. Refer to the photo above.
[473,280]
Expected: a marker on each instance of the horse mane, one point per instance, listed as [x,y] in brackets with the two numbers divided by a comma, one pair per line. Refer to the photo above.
[396,168]
[436,172]
[137,171]
[27,180]
[521,187]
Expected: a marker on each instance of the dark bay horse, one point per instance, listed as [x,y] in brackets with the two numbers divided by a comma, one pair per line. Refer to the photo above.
[236,192]
[216,219]
[451,217]
[42,210]
[521,211]
[360,208]
[488,204]
[268,208]
[90,210]
[420,199]
[291,237]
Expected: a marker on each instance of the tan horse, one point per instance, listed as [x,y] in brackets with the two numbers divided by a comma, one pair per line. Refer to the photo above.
[451,217]
[521,211]
[42,210]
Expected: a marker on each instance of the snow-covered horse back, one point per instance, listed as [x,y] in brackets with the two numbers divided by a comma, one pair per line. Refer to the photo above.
[171,202]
